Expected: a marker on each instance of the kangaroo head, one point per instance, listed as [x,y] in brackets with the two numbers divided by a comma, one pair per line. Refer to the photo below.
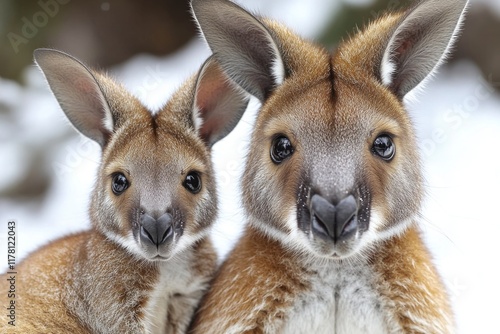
[333,165]
[155,192]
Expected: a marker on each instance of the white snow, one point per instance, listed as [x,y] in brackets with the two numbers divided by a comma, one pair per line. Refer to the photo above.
[458,118]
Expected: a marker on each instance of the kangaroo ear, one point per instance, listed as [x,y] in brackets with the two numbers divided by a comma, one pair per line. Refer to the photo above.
[420,43]
[218,103]
[241,44]
[78,93]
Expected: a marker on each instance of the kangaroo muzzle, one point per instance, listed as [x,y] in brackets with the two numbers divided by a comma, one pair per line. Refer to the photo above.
[338,222]
[334,225]
[156,232]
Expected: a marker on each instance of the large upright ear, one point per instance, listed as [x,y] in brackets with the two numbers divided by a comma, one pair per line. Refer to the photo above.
[78,93]
[218,103]
[241,44]
[420,43]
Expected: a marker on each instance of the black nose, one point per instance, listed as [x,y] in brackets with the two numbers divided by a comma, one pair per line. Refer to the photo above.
[156,231]
[336,221]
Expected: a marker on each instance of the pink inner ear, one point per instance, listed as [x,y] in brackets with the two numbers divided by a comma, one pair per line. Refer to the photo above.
[207,128]
[84,86]
[212,91]
[399,56]
[404,47]
[219,103]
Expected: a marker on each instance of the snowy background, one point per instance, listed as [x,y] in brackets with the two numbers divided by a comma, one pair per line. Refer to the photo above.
[458,122]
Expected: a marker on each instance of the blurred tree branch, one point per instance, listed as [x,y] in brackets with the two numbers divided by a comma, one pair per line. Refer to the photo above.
[101,32]
[349,17]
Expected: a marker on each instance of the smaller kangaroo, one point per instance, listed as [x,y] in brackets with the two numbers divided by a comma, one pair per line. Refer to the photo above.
[332,186]
[146,261]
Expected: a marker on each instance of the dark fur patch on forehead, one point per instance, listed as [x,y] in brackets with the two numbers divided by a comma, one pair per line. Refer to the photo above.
[331,78]
[154,126]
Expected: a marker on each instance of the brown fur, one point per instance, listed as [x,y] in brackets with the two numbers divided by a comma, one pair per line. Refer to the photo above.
[409,279]
[332,107]
[105,280]
[82,267]
[262,278]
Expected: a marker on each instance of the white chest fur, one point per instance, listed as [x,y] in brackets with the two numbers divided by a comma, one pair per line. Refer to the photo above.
[342,300]
[173,298]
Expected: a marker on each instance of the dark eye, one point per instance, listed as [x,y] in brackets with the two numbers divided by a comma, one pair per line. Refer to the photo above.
[192,182]
[119,183]
[384,147]
[281,149]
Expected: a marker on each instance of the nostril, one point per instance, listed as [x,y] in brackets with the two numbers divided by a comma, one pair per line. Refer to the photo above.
[351,226]
[148,233]
[165,227]
[347,221]
[323,215]
[319,226]
[167,234]
[145,235]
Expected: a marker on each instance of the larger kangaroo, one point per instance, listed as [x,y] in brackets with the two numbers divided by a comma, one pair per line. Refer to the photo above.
[146,261]
[332,186]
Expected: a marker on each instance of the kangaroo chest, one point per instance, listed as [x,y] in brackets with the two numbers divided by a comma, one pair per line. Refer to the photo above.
[172,298]
[341,300]
[156,309]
